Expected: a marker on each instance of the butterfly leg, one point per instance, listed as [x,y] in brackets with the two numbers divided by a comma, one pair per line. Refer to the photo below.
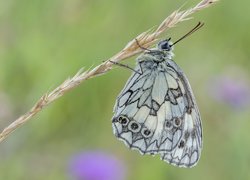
[125,66]
[143,48]
[140,46]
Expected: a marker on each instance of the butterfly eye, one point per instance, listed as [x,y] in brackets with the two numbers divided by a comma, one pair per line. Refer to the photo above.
[134,126]
[168,125]
[165,45]
[123,120]
[146,132]
[177,122]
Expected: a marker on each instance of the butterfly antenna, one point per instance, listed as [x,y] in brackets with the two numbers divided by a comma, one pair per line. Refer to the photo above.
[197,27]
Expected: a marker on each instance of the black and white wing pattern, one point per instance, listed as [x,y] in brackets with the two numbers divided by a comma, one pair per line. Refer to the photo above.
[188,150]
[156,112]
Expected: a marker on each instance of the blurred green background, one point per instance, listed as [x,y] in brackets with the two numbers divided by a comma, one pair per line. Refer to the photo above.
[44,42]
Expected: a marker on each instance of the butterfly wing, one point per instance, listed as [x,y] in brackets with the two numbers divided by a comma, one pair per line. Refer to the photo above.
[188,151]
[133,121]
[152,113]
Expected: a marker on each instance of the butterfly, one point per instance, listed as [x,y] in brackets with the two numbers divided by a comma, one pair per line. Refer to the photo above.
[156,112]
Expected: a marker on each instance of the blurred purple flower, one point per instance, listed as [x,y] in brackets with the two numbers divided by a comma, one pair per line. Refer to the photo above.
[234,91]
[96,166]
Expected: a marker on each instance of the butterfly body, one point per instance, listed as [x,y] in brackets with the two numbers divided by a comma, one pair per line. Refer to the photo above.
[156,112]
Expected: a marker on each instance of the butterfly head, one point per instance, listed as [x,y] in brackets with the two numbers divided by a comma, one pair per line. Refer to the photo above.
[165,45]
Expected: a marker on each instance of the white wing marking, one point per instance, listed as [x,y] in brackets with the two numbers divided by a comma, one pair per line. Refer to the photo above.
[145,95]
[160,123]
[117,128]
[151,122]
[171,82]
[181,86]
[181,104]
[142,114]
[185,159]
[130,109]
[175,111]
[149,82]
[124,98]
[176,138]
[159,89]
[168,112]
[140,144]
[128,137]
[152,147]
[167,143]
[194,157]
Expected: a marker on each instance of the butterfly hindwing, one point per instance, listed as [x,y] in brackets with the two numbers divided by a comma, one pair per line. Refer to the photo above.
[187,153]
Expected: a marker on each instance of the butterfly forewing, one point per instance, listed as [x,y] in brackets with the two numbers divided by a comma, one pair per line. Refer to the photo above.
[156,111]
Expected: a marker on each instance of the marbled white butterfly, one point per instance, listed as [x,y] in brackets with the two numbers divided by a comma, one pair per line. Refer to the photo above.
[156,112]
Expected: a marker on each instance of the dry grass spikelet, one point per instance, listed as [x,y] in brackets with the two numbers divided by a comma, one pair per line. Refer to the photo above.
[145,39]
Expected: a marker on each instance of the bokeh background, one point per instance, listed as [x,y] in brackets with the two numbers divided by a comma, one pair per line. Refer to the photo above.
[44,42]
